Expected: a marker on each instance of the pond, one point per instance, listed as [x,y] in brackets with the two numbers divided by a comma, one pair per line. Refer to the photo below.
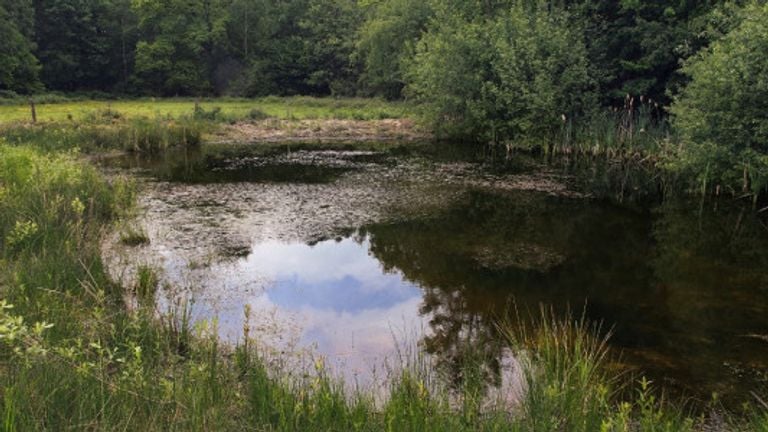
[352,254]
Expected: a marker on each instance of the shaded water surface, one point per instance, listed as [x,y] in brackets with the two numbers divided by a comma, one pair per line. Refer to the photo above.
[352,253]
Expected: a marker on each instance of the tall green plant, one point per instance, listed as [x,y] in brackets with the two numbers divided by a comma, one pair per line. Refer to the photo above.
[721,114]
[512,74]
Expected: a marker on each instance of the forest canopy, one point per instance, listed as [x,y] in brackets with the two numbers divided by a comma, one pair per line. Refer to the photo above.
[333,47]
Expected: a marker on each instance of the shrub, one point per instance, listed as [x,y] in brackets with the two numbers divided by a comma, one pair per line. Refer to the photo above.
[203,114]
[257,114]
[721,114]
[509,76]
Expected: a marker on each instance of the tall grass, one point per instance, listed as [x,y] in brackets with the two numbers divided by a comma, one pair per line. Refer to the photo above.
[137,135]
[570,384]
[639,129]
[640,125]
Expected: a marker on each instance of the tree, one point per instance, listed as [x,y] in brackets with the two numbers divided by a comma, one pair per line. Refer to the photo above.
[330,28]
[123,38]
[75,41]
[509,73]
[19,69]
[636,45]
[180,44]
[385,42]
[275,59]
[721,114]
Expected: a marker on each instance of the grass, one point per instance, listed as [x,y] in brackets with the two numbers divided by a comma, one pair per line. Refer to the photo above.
[570,385]
[639,129]
[136,135]
[74,356]
[152,126]
[131,236]
[291,108]
[147,281]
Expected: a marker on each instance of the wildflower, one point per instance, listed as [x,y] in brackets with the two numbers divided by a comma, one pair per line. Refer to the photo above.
[77,206]
[22,231]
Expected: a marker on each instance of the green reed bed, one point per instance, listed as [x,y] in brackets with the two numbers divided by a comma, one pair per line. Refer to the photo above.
[77,353]
[637,130]
[137,135]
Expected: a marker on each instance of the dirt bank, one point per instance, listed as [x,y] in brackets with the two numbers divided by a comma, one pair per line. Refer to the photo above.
[320,130]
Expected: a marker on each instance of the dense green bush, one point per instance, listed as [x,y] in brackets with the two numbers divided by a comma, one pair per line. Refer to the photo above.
[19,69]
[721,114]
[514,74]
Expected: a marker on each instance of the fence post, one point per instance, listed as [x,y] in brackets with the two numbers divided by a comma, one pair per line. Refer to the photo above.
[34,111]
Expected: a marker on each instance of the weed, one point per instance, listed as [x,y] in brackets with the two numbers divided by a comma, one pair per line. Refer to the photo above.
[147,282]
[133,237]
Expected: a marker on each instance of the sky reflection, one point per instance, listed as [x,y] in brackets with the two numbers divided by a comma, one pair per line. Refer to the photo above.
[333,297]
[338,276]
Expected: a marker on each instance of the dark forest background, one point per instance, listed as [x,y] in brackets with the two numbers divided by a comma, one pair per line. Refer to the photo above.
[335,47]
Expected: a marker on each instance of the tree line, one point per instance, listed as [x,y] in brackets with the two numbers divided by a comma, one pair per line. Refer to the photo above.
[347,47]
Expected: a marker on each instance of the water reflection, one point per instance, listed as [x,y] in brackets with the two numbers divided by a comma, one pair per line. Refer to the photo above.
[683,290]
[333,294]
[684,287]
[228,164]
[337,276]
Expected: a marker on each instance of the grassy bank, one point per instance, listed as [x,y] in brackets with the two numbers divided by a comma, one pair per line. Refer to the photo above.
[75,356]
[151,126]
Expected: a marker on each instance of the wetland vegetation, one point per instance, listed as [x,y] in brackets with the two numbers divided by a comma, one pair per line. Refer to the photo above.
[386,215]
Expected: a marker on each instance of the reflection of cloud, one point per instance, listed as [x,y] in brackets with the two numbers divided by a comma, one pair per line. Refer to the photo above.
[347,294]
[370,333]
[333,296]
[339,276]
[329,260]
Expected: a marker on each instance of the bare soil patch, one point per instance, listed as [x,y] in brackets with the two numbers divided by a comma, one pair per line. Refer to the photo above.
[323,131]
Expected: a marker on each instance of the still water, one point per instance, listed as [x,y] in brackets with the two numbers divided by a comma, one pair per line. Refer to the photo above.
[351,255]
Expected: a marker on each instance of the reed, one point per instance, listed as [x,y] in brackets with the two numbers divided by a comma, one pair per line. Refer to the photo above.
[137,135]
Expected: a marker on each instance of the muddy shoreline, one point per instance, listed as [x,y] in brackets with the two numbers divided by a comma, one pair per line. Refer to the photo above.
[320,131]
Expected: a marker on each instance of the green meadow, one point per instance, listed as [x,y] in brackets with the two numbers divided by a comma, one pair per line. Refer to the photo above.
[292,108]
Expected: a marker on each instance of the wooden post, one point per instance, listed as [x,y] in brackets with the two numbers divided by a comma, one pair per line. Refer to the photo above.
[34,111]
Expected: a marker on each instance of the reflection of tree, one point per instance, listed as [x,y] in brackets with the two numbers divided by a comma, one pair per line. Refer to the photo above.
[474,259]
[228,164]
[712,266]
[462,340]
[676,286]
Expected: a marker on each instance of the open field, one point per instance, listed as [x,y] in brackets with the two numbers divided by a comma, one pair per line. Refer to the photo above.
[149,125]
[291,108]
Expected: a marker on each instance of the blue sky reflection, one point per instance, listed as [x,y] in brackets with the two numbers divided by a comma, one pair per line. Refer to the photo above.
[336,276]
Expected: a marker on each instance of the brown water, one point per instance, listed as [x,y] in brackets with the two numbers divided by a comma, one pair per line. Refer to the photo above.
[351,254]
